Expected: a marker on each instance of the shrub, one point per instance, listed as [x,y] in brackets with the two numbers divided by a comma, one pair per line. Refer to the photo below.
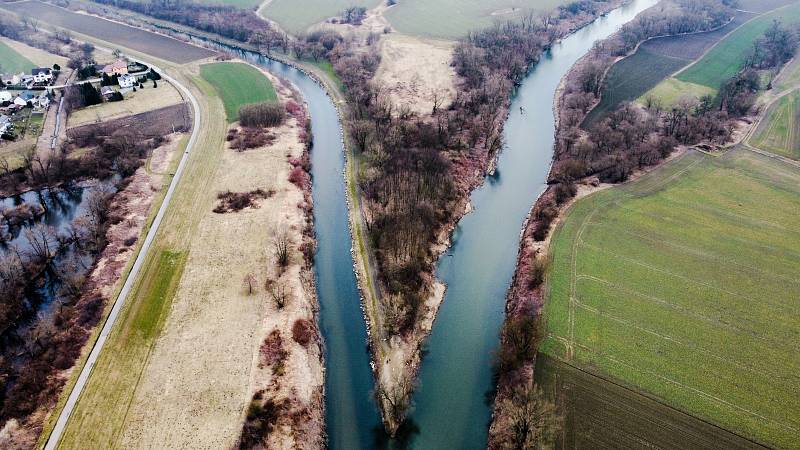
[536,272]
[266,114]
[303,332]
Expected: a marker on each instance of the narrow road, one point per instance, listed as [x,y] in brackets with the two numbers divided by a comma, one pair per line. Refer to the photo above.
[83,378]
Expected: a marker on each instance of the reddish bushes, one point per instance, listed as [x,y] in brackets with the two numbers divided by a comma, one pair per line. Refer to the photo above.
[303,332]
[249,138]
[272,351]
[237,201]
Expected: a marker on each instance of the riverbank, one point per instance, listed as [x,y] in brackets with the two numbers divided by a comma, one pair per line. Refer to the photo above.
[529,286]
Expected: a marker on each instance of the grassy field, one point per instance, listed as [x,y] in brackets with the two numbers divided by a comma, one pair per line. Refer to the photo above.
[13,62]
[451,19]
[779,131]
[724,61]
[123,359]
[238,84]
[630,78]
[296,16]
[683,285]
[144,99]
[669,91]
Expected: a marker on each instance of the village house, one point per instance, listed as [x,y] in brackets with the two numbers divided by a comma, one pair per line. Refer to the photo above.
[5,97]
[42,75]
[127,81]
[118,67]
[106,92]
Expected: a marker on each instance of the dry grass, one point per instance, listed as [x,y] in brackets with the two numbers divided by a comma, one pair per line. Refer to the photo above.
[414,70]
[143,100]
[39,57]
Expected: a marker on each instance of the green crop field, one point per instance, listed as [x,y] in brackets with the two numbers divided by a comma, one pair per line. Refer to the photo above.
[630,78]
[296,16]
[13,62]
[450,19]
[779,131]
[671,90]
[238,84]
[726,59]
[684,285]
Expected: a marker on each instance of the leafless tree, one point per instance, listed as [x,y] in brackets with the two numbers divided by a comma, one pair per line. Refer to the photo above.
[249,282]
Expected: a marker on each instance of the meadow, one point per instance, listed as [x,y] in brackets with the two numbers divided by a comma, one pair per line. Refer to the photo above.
[452,19]
[125,355]
[727,58]
[779,131]
[683,285]
[630,78]
[296,16]
[238,84]
[647,72]
[13,62]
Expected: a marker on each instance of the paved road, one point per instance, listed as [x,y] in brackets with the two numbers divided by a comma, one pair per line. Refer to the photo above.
[83,378]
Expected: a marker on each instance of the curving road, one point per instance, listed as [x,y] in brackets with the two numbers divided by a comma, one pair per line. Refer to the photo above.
[83,378]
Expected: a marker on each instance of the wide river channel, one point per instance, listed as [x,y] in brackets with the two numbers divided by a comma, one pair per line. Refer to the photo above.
[451,407]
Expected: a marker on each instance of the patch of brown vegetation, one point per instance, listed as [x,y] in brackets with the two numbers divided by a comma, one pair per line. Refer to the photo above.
[237,201]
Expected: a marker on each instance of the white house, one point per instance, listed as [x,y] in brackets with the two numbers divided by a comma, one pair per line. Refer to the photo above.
[19,101]
[42,75]
[126,81]
[5,96]
[43,101]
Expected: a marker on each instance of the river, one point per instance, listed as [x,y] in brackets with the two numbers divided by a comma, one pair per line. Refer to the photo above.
[452,405]
[451,409]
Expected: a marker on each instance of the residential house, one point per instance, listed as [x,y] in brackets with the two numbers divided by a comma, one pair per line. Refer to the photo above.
[119,67]
[43,101]
[5,97]
[20,103]
[127,81]
[42,75]
[107,92]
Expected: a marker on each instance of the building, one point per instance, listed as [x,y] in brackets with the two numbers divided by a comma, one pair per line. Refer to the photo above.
[106,92]
[127,81]
[119,67]
[43,101]
[42,75]
[5,96]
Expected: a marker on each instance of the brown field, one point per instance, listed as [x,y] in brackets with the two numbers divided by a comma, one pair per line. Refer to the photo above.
[159,46]
[602,414]
[143,100]
[149,124]
[413,70]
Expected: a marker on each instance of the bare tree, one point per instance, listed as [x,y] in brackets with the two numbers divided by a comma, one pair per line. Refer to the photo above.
[281,245]
[249,282]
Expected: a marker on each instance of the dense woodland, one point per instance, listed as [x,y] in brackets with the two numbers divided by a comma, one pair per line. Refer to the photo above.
[227,21]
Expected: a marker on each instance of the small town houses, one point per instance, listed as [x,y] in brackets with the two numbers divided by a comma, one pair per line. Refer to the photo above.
[38,78]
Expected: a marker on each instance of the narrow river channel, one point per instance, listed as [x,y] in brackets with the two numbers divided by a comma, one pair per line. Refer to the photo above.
[452,404]
[452,409]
